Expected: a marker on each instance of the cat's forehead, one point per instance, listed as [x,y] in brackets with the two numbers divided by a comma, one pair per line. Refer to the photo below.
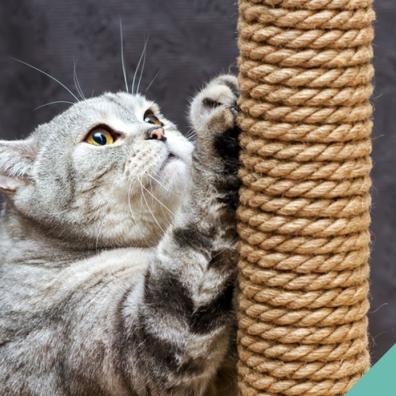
[114,109]
[127,101]
[121,104]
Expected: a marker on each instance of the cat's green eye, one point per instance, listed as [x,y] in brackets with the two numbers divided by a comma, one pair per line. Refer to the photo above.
[151,118]
[100,136]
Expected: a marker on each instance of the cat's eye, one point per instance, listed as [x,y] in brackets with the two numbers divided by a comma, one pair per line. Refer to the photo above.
[151,118]
[100,136]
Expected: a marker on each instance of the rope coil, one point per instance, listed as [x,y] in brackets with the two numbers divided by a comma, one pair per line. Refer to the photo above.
[305,78]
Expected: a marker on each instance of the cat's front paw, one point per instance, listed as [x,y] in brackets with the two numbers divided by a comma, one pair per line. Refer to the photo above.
[213,116]
[213,111]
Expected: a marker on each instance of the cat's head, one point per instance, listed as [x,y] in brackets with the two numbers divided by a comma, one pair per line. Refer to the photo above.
[109,171]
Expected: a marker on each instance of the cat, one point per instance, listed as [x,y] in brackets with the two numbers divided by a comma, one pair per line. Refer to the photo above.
[118,250]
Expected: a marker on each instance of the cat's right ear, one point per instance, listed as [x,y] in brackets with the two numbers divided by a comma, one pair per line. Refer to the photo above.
[16,160]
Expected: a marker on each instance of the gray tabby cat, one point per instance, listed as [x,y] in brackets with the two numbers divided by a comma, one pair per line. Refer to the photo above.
[117,247]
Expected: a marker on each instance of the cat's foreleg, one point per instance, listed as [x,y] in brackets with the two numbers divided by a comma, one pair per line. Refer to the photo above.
[178,331]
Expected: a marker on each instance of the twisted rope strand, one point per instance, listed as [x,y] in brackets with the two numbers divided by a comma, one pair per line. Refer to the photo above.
[314,39]
[305,188]
[308,58]
[312,335]
[305,152]
[307,19]
[289,96]
[322,317]
[317,4]
[336,208]
[300,263]
[271,386]
[308,78]
[303,353]
[300,133]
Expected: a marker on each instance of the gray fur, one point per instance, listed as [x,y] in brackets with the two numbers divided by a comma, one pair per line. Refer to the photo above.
[117,267]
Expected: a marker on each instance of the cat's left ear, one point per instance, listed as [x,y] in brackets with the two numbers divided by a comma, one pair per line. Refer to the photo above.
[16,160]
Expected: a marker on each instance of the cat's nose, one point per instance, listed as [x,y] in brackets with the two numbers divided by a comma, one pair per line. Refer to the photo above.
[156,134]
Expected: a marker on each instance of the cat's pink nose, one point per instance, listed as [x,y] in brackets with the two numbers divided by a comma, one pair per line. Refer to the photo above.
[157,134]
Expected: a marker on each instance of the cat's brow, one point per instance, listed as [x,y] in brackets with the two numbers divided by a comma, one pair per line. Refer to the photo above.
[119,104]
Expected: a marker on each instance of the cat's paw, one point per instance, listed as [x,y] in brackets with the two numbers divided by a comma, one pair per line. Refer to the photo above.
[213,111]
[213,115]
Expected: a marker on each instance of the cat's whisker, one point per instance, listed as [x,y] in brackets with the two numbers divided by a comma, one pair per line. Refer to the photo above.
[141,199]
[152,81]
[129,204]
[151,180]
[168,214]
[100,229]
[150,184]
[49,76]
[55,102]
[159,201]
[137,68]
[147,173]
[190,134]
[122,58]
[77,82]
[157,181]
[142,69]
[149,208]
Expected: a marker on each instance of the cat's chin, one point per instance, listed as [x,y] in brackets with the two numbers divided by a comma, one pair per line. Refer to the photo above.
[168,161]
[173,168]
[174,179]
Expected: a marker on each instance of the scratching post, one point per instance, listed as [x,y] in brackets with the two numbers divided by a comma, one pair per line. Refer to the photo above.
[305,77]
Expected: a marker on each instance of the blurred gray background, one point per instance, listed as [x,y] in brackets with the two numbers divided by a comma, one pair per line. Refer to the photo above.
[188,42]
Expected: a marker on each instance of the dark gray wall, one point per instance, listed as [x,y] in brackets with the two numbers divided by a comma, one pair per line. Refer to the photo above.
[189,41]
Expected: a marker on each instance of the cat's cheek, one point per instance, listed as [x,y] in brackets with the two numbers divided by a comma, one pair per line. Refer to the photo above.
[89,160]
[24,200]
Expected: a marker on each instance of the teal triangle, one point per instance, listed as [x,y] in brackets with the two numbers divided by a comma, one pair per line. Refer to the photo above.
[380,380]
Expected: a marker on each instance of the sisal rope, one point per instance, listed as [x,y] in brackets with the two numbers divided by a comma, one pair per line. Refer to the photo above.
[305,78]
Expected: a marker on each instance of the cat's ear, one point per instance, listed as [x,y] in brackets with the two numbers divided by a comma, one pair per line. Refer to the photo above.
[16,160]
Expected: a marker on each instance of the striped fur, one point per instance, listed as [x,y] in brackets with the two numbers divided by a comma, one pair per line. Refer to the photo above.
[121,320]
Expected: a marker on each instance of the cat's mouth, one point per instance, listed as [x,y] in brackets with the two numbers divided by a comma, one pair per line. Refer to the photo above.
[171,157]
